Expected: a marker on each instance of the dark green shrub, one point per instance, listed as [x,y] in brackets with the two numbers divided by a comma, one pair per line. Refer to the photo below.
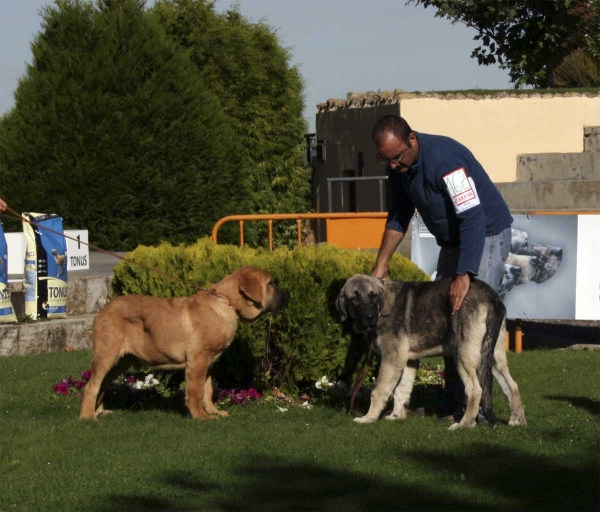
[248,69]
[115,129]
[306,341]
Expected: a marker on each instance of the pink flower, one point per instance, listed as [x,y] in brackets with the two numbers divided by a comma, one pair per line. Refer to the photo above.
[62,388]
[86,375]
[253,394]
[238,397]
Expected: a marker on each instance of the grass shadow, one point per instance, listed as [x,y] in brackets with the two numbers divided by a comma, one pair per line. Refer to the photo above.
[587,404]
[533,482]
[486,478]
[264,484]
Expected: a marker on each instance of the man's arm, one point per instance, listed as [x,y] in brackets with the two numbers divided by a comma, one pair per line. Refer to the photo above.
[390,241]
[458,290]
[462,192]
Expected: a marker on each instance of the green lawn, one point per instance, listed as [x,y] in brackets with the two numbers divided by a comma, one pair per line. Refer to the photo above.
[263,459]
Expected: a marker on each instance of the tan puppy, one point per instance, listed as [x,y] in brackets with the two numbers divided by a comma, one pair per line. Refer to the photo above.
[183,332]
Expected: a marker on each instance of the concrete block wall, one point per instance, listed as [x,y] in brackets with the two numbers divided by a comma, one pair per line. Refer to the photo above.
[557,181]
[86,296]
[591,138]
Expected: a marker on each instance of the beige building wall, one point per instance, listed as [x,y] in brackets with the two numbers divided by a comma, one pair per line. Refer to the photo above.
[496,127]
[497,130]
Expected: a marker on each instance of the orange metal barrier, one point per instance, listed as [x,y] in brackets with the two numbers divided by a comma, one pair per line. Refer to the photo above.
[375,217]
[355,230]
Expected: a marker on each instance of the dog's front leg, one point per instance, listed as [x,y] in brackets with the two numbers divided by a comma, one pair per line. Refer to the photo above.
[404,390]
[209,405]
[389,374]
[196,370]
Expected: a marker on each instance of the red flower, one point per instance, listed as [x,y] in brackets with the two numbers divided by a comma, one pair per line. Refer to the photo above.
[62,388]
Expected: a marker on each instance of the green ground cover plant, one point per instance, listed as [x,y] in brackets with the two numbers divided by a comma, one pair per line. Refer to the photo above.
[272,454]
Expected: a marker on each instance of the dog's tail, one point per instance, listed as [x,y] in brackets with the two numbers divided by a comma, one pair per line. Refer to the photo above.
[495,318]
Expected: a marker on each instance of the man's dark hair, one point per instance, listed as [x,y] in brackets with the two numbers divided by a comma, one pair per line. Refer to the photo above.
[390,125]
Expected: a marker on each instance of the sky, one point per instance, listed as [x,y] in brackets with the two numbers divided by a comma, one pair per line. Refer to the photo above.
[340,46]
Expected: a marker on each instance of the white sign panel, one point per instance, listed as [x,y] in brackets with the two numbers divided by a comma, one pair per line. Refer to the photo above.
[552,271]
[16,245]
[588,268]
[78,252]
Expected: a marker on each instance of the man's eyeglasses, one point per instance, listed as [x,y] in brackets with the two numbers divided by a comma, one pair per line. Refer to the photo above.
[397,160]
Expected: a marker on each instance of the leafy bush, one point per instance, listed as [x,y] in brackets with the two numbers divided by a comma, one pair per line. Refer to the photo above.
[292,349]
[578,69]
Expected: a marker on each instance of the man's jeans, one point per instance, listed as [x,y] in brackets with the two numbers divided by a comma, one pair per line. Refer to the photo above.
[491,271]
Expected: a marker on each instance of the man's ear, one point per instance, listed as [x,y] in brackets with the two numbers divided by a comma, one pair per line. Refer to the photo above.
[340,305]
[386,300]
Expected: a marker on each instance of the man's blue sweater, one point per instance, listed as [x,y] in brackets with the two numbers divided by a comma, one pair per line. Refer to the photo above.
[453,194]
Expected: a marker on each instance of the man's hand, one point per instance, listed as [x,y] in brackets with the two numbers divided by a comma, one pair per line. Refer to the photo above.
[458,291]
[2,205]
[380,272]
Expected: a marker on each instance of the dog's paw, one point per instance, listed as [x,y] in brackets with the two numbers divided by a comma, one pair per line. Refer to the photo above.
[364,419]
[396,416]
[456,426]
[518,421]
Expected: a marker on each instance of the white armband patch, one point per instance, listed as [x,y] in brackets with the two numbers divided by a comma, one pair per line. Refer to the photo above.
[461,190]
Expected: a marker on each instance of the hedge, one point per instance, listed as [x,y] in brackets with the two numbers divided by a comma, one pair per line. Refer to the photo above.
[305,342]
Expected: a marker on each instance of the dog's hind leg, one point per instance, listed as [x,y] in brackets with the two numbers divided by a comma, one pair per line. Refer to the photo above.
[468,374]
[103,367]
[495,322]
[90,395]
[118,369]
[508,385]
[403,390]
[390,371]
[109,342]
[466,338]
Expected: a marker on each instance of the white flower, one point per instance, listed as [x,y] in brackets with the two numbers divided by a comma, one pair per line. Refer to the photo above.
[306,405]
[150,380]
[282,409]
[323,383]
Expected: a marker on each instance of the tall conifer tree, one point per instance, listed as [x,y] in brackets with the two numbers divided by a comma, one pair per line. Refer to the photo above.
[114,129]
[249,70]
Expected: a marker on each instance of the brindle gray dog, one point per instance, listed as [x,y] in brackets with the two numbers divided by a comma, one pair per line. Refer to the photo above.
[414,320]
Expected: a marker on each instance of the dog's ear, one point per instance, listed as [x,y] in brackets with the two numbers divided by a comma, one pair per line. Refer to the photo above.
[386,300]
[250,286]
[340,305]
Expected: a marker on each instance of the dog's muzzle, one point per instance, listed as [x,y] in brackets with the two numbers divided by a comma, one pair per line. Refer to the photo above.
[279,302]
[365,319]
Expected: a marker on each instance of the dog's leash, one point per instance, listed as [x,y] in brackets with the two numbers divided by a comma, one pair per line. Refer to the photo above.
[17,216]
[359,381]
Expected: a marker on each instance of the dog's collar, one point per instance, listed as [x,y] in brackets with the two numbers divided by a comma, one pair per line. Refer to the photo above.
[217,295]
